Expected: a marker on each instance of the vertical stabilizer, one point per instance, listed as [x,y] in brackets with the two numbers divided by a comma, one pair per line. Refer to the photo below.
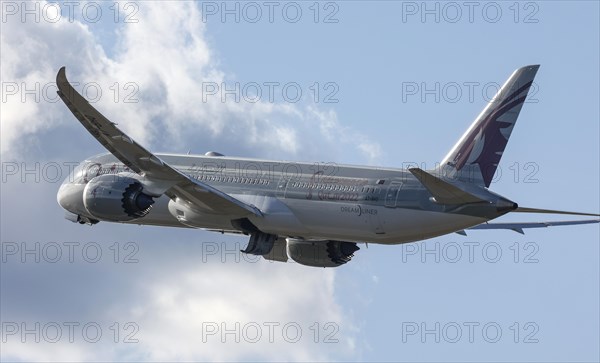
[477,154]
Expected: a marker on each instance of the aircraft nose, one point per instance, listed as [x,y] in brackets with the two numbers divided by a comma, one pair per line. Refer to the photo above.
[70,197]
[62,196]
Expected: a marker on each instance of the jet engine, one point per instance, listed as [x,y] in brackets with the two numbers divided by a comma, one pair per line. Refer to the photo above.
[116,198]
[321,253]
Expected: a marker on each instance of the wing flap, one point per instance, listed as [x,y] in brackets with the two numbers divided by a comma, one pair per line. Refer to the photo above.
[134,156]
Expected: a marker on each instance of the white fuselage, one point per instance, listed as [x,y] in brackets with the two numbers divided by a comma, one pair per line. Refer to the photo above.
[318,201]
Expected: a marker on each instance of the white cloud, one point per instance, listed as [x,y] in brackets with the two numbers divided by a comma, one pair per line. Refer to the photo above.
[371,149]
[205,299]
[261,311]
[335,132]
[165,60]
[30,54]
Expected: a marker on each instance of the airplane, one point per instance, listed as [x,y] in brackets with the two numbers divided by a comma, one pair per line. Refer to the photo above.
[312,213]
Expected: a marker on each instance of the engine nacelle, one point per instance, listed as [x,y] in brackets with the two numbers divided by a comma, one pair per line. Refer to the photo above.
[116,198]
[321,253]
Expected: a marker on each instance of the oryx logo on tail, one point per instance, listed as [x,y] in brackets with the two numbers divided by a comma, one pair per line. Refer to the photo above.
[477,154]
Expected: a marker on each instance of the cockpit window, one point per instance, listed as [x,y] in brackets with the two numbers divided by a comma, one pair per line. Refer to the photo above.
[84,172]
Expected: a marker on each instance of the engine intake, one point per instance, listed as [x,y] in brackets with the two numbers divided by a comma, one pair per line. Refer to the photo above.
[135,203]
[116,198]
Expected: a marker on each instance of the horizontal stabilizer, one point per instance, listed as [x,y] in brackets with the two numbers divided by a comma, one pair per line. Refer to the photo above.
[518,227]
[442,191]
[550,211]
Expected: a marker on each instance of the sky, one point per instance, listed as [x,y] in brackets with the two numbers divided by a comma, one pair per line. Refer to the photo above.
[381,83]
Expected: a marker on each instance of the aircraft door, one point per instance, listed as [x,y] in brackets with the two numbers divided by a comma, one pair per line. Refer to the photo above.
[282,187]
[392,194]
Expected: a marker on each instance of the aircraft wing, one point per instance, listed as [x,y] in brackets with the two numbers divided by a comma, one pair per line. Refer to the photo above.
[518,227]
[172,182]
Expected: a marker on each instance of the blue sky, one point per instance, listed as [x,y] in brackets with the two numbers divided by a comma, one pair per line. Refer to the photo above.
[543,285]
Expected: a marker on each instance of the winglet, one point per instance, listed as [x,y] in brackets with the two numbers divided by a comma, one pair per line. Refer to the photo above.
[442,191]
[61,77]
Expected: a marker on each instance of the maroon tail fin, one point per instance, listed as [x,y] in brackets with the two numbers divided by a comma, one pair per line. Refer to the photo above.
[476,156]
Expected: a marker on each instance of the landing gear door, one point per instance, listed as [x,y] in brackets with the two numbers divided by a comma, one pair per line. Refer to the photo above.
[392,194]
